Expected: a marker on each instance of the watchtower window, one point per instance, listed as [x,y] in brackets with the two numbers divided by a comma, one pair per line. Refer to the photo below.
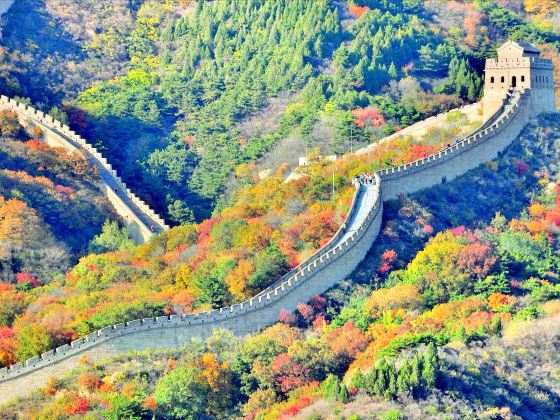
[502,79]
[492,79]
[522,78]
[514,81]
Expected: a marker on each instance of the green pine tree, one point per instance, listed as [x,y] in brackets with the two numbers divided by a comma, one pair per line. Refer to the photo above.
[393,71]
[416,372]
[429,371]
[390,391]
[497,326]
[330,388]
[403,379]
[462,334]
[381,377]
[344,394]
[358,380]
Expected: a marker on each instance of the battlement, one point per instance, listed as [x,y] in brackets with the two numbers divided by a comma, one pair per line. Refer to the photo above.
[450,152]
[528,62]
[332,263]
[338,247]
[519,66]
[136,212]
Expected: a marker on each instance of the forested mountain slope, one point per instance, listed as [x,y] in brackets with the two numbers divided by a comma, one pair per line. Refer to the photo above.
[167,89]
[190,74]
[51,205]
[164,87]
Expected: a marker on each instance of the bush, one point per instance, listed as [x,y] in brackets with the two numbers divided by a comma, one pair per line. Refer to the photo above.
[181,395]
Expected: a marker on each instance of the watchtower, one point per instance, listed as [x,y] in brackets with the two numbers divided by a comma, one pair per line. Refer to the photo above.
[520,67]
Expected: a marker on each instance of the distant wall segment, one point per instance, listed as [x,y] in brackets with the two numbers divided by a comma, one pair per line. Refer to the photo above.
[472,112]
[141,221]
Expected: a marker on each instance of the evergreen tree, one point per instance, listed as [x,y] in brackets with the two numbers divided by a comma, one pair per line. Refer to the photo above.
[403,380]
[358,380]
[462,80]
[429,370]
[167,33]
[462,334]
[497,326]
[391,390]
[416,372]
[330,388]
[344,394]
[381,377]
[180,212]
[393,74]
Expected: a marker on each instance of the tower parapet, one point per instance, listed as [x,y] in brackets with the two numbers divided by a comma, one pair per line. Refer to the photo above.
[519,66]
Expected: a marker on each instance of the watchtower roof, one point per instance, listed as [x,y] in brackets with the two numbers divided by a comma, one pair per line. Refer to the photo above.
[522,46]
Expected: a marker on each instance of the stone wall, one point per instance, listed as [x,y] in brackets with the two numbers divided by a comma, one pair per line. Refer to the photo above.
[320,272]
[139,218]
[479,147]
[317,274]
[473,112]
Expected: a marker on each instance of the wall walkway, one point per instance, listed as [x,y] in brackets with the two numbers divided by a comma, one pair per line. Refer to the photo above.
[332,263]
[141,221]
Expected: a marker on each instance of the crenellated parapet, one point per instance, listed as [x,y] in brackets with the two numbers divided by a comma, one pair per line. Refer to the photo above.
[396,180]
[346,238]
[519,65]
[141,220]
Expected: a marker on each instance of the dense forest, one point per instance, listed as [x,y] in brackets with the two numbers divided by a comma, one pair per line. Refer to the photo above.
[192,78]
[204,107]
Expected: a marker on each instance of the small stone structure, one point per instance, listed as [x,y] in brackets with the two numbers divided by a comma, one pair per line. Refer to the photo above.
[332,263]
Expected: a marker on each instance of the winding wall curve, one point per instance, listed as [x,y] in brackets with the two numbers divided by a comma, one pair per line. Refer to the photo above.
[139,217]
[332,263]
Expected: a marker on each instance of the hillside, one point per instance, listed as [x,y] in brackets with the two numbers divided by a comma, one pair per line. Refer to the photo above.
[466,284]
[172,114]
[51,206]
[204,108]
[269,228]
[186,102]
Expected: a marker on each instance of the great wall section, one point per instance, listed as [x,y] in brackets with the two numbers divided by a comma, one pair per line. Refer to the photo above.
[332,263]
[141,221]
